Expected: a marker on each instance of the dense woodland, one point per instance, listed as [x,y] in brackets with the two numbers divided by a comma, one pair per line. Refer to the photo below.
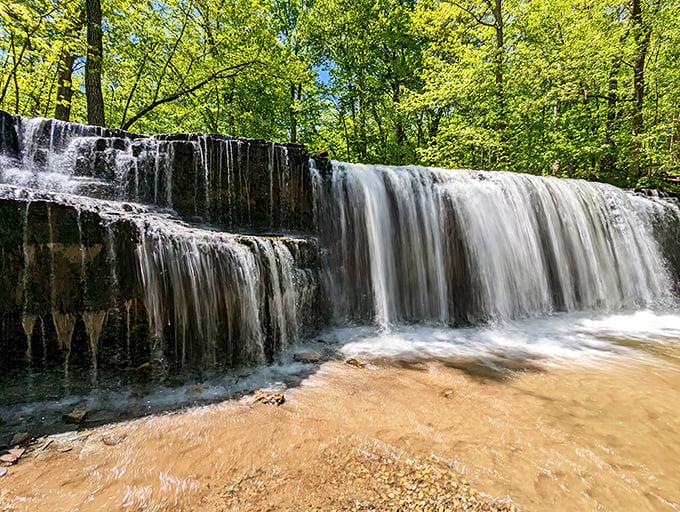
[583,89]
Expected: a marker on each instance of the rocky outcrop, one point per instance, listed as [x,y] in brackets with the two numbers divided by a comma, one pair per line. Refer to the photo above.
[102,284]
[235,183]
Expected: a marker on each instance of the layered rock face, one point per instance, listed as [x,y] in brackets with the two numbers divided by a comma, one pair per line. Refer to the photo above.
[234,183]
[114,249]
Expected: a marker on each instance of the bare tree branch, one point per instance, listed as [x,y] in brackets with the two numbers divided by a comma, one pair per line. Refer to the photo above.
[476,16]
[221,74]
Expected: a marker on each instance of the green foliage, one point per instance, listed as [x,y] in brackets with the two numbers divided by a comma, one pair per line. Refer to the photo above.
[546,87]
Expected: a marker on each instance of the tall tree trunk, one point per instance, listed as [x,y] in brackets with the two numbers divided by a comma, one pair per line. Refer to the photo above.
[675,142]
[67,58]
[609,159]
[93,65]
[65,87]
[295,93]
[642,33]
[501,122]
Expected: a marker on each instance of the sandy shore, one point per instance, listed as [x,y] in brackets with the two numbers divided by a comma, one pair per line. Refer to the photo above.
[424,436]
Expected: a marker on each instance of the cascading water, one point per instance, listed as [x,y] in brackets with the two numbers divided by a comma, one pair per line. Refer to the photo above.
[442,247]
[226,181]
[113,259]
[116,270]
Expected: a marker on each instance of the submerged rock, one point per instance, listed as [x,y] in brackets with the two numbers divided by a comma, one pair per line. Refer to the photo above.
[114,439]
[12,456]
[196,389]
[75,417]
[19,438]
[355,362]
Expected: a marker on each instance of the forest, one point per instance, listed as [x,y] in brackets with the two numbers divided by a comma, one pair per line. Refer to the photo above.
[587,89]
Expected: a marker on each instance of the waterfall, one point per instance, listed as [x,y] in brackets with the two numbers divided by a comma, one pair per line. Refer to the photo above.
[231,182]
[227,299]
[416,244]
[124,241]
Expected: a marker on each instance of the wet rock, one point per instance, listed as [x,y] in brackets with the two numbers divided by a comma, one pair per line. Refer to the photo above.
[307,357]
[355,362]
[9,142]
[269,397]
[98,418]
[75,417]
[19,438]
[12,456]
[114,439]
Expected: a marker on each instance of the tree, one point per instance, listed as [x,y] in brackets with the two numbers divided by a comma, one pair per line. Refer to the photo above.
[93,65]
[67,59]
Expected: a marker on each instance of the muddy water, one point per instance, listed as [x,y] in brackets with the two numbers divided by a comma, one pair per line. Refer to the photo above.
[570,437]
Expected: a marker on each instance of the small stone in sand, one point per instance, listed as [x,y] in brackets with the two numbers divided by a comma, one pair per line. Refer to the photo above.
[12,456]
[356,363]
[269,397]
[113,439]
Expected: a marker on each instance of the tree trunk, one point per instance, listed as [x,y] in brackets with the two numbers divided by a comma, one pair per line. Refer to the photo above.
[642,35]
[67,58]
[499,79]
[65,89]
[675,142]
[295,92]
[93,65]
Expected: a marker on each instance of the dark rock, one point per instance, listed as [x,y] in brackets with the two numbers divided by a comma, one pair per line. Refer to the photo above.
[94,419]
[9,142]
[40,157]
[75,417]
[19,438]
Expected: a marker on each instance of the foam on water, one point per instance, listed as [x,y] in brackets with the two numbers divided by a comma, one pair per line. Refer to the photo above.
[577,337]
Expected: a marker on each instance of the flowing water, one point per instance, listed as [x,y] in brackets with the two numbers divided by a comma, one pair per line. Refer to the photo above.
[523,330]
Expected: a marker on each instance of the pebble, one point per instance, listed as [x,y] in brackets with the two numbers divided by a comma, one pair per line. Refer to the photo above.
[269,397]
[371,482]
[113,439]
[355,362]
[3,472]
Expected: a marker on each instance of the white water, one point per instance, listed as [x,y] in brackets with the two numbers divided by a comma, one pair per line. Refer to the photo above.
[586,338]
[448,247]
